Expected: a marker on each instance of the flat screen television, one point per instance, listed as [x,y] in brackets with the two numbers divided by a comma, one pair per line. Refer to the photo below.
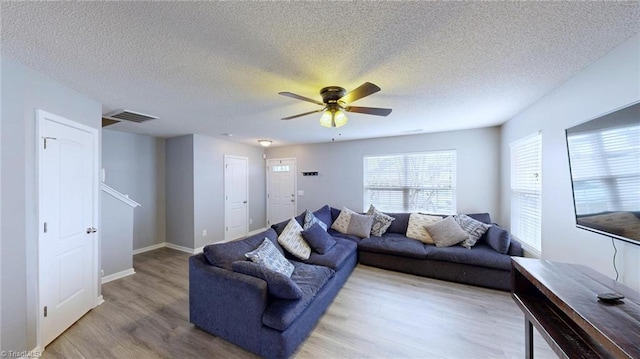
[604,161]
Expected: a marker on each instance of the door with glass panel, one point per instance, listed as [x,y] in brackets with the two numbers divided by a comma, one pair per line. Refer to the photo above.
[281,189]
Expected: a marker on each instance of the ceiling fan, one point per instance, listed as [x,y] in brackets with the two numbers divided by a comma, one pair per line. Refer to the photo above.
[336,100]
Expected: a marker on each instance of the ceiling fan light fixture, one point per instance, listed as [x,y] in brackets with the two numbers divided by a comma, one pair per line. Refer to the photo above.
[265,143]
[333,118]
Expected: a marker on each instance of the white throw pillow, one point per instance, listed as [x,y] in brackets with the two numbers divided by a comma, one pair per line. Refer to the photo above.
[341,224]
[417,228]
[291,239]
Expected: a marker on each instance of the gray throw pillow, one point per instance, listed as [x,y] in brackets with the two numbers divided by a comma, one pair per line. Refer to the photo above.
[278,284]
[268,256]
[447,232]
[310,219]
[360,225]
[381,221]
[474,228]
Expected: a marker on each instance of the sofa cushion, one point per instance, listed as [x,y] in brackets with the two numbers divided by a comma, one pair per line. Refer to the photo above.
[417,228]
[498,238]
[278,284]
[360,225]
[310,219]
[280,313]
[268,256]
[394,243]
[336,234]
[279,227]
[336,256]
[291,239]
[447,232]
[341,224]
[480,255]
[224,254]
[474,228]
[318,238]
[324,214]
[400,223]
[381,221]
[482,217]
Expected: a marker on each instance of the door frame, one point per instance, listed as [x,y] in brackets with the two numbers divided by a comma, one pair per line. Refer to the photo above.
[295,182]
[41,117]
[226,202]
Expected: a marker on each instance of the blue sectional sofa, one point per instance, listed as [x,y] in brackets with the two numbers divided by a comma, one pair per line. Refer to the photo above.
[241,309]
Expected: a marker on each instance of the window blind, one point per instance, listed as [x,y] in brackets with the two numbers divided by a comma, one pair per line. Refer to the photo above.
[606,173]
[411,182]
[526,190]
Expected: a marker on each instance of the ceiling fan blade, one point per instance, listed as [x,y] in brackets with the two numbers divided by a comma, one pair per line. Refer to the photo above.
[364,90]
[303,114]
[369,110]
[298,97]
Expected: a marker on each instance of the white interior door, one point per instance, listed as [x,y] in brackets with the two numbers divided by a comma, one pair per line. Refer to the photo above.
[67,180]
[281,189]
[236,191]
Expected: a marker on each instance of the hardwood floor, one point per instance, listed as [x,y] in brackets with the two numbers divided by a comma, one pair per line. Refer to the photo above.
[377,314]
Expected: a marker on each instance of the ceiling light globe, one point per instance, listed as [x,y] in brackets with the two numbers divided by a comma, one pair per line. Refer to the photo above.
[333,118]
[265,143]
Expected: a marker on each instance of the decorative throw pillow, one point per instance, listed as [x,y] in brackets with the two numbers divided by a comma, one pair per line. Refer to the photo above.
[278,284]
[499,239]
[310,219]
[447,232]
[318,238]
[268,256]
[360,225]
[341,224]
[381,221]
[474,228]
[417,227]
[292,240]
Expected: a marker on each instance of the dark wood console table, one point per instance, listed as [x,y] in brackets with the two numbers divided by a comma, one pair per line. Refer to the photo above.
[559,299]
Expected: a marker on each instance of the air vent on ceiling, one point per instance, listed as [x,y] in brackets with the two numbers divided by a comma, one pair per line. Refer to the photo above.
[126,115]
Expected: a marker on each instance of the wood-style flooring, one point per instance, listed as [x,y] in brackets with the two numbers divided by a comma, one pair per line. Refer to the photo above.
[377,314]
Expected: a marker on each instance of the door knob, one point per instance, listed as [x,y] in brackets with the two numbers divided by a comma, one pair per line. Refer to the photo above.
[293,200]
[91,230]
[245,202]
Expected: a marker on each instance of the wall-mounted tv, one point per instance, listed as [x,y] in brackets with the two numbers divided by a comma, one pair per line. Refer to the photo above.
[604,160]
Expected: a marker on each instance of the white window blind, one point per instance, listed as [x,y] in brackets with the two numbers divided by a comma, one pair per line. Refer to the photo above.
[526,190]
[606,170]
[411,182]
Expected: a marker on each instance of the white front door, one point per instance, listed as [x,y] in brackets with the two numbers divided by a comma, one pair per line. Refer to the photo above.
[236,192]
[67,182]
[281,189]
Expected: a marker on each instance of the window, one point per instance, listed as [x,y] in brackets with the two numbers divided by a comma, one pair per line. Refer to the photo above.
[526,191]
[411,182]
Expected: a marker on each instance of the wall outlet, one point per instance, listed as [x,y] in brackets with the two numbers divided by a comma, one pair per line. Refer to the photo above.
[102,272]
[250,220]
[204,232]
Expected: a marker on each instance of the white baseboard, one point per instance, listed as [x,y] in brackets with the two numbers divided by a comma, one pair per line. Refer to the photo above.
[114,276]
[149,248]
[256,231]
[179,248]
[99,300]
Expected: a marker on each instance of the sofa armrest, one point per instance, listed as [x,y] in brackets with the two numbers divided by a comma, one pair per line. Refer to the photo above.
[515,248]
[226,303]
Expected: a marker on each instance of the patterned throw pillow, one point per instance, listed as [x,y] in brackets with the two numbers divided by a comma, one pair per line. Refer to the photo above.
[417,228]
[446,232]
[310,219]
[268,256]
[474,228]
[381,221]
[341,224]
[291,239]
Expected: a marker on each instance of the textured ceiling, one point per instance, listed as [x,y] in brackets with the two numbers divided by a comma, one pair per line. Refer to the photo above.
[216,67]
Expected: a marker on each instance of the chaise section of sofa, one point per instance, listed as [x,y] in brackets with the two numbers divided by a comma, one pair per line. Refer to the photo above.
[239,307]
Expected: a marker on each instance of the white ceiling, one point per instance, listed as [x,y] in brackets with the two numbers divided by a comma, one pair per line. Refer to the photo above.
[214,68]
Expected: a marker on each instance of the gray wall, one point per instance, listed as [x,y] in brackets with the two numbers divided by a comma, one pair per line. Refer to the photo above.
[135,165]
[23,92]
[179,191]
[116,223]
[209,155]
[611,82]
[339,166]
[195,188]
